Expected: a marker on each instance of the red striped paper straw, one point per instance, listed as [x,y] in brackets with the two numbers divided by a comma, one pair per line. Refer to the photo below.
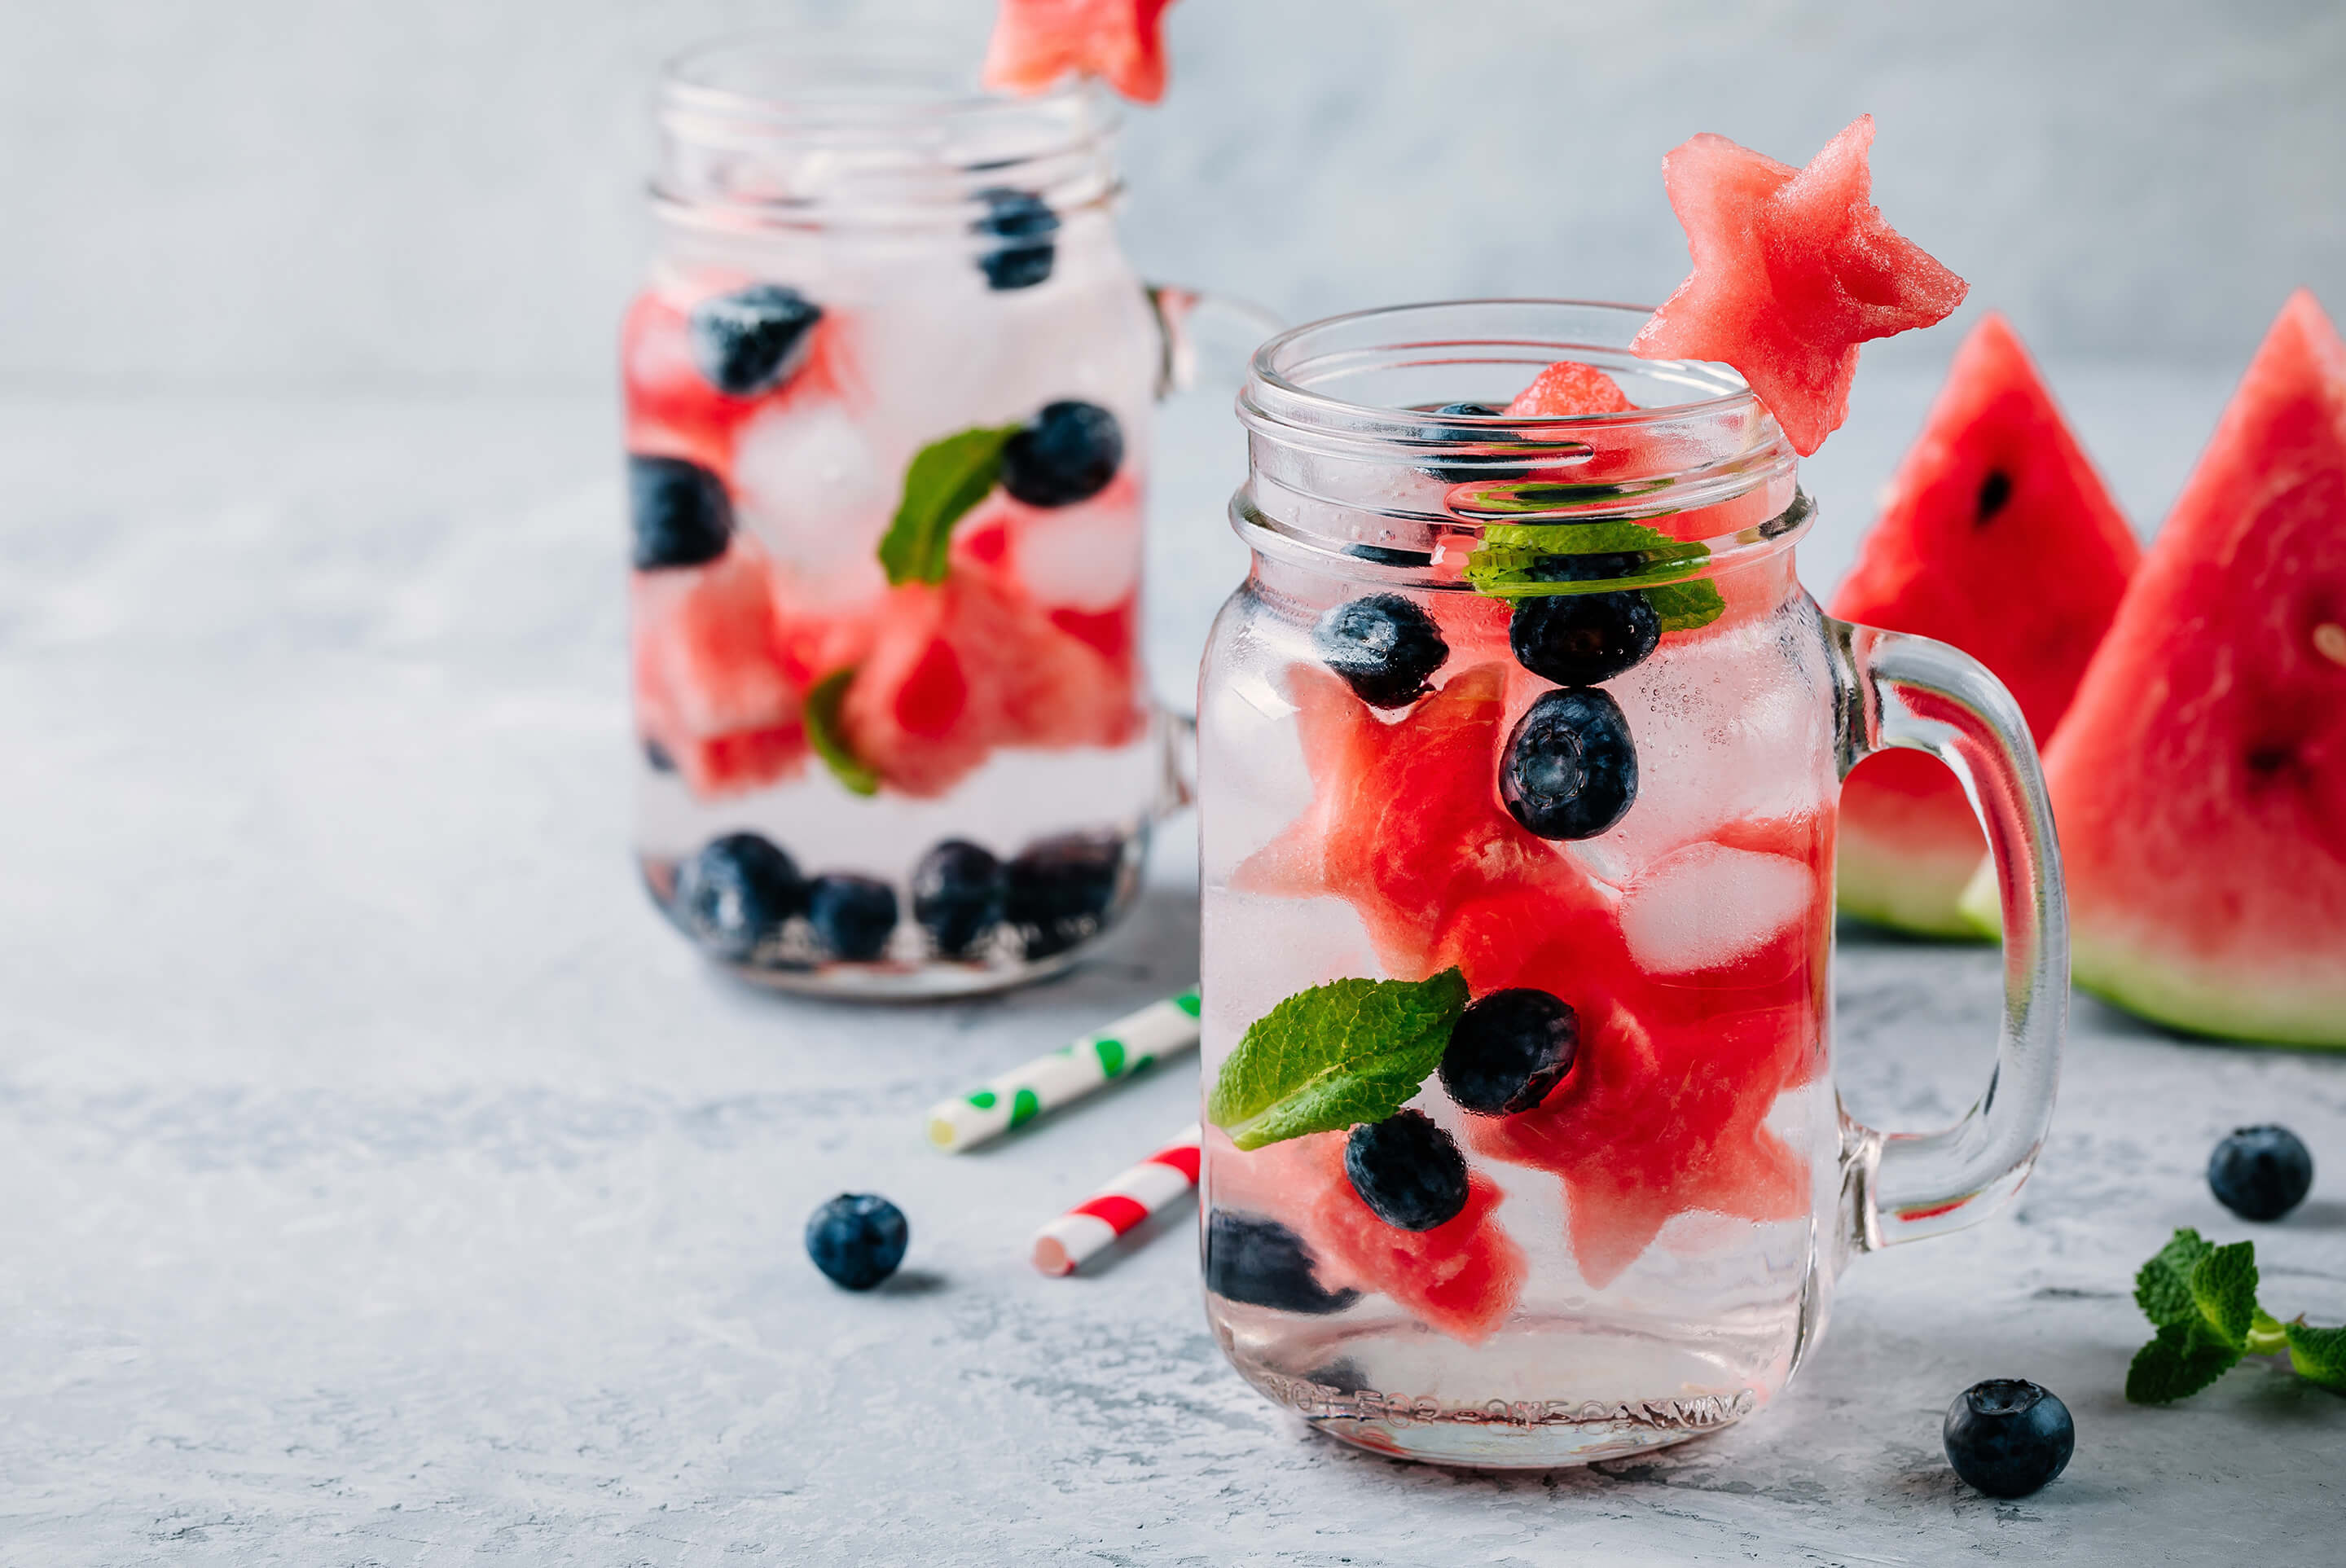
[1153,1185]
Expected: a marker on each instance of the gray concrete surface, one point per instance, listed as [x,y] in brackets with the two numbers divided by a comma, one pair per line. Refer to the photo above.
[380,1182]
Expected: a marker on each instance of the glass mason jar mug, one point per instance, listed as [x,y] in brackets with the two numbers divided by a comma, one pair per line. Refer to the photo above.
[888,392]
[1519,757]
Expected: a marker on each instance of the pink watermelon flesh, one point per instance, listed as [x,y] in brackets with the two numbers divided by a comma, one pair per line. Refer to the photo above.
[712,688]
[1566,388]
[1461,1278]
[1998,536]
[2199,779]
[1793,269]
[1036,42]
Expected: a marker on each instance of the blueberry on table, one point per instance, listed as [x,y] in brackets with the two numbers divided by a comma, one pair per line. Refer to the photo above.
[1571,769]
[1067,453]
[1263,1263]
[681,514]
[1580,639]
[858,1238]
[1024,223]
[752,339]
[2007,1437]
[734,895]
[1058,890]
[2260,1172]
[853,916]
[1408,1171]
[1509,1050]
[1467,473]
[1384,646]
[958,889]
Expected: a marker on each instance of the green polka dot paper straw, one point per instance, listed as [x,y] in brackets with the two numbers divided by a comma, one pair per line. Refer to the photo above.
[1066,1075]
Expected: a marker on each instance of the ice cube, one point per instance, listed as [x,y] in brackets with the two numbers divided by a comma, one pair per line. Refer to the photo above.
[810,486]
[1083,557]
[1707,906]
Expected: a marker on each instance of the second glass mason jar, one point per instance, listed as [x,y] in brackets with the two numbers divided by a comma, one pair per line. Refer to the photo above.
[887,396]
[1519,757]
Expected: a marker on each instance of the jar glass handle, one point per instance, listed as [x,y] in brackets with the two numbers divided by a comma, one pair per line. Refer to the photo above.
[1912,692]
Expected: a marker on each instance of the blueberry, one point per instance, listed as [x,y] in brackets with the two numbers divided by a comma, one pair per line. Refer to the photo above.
[1067,454]
[957,895]
[1408,1171]
[857,1239]
[1579,639]
[656,757]
[1508,1050]
[1264,1264]
[853,916]
[1384,646]
[1057,891]
[1571,769]
[1025,223]
[1387,556]
[2007,1437]
[752,339]
[681,514]
[735,894]
[2260,1172]
[1464,474]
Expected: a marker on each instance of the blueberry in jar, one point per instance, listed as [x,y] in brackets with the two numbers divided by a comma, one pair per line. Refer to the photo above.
[857,1239]
[2260,1172]
[1409,1173]
[680,513]
[1067,453]
[1025,224]
[752,339]
[1508,1050]
[735,894]
[1263,1263]
[1385,647]
[1580,639]
[958,892]
[853,916]
[1058,890]
[2007,1437]
[1467,474]
[1571,769]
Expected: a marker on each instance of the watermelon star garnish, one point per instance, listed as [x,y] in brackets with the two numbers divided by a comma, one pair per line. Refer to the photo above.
[1793,269]
[1036,42]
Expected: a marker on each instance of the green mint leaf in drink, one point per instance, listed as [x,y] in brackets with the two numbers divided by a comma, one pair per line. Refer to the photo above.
[945,479]
[1687,607]
[1526,560]
[1347,1052]
[2162,1288]
[2183,1360]
[830,741]
[2224,1285]
[2318,1355]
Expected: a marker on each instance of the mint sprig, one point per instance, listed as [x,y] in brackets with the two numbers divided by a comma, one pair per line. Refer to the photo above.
[830,741]
[1507,565]
[1323,1059]
[2202,1299]
[945,479]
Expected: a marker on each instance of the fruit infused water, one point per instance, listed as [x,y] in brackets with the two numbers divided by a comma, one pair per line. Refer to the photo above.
[888,391]
[1520,752]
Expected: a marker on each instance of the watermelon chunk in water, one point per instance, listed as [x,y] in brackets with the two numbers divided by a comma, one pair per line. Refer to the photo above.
[2199,779]
[1461,1278]
[1036,42]
[712,689]
[1793,269]
[1567,388]
[1998,536]
[672,411]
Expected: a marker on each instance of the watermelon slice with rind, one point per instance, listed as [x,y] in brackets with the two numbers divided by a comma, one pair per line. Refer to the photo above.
[2199,779]
[1998,537]
[1038,42]
[1793,269]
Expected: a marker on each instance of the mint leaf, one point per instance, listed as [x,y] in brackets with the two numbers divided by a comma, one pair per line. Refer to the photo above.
[2267,1334]
[2183,1360]
[945,479]
[2318,1354]
[2162,1288]
[1507,566]
[1346,1052]
[829,742]
[1685,607]
[2224,1284]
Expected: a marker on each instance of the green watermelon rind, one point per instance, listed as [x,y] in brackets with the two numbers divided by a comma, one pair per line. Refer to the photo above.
[2154,986]
[1894,897]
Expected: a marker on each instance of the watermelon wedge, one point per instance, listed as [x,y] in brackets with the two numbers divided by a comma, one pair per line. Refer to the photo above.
[712,689]
[1793,269]
[2199,779]
[1036,42]
[1998,536]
